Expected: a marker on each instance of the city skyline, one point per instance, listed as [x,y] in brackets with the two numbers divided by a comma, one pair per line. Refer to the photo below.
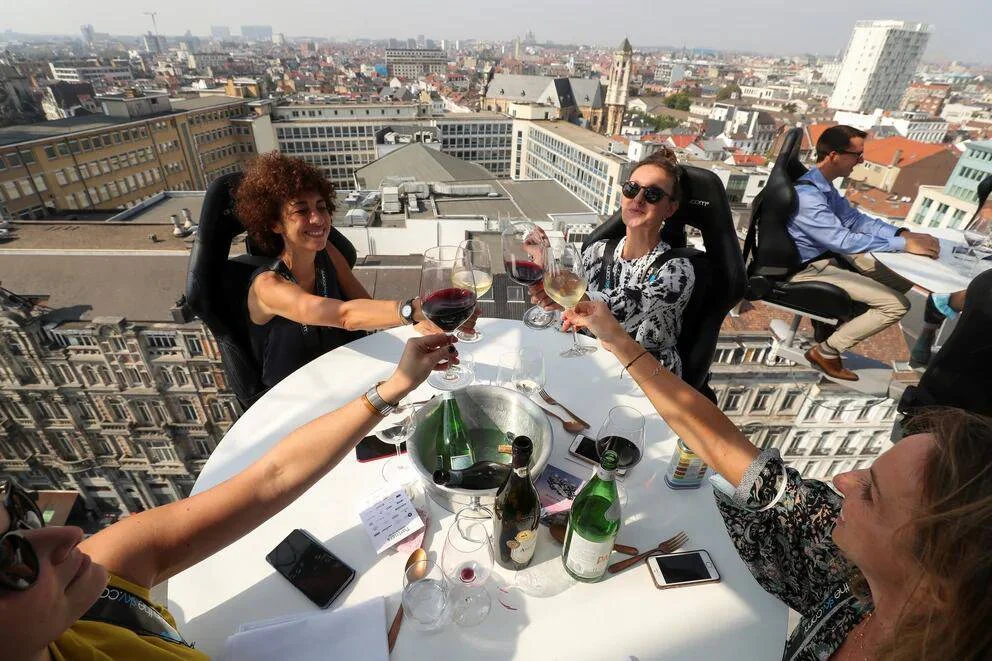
[823,31]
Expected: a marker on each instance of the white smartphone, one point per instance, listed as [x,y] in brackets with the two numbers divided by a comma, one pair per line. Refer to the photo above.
[686,568]
[583,448]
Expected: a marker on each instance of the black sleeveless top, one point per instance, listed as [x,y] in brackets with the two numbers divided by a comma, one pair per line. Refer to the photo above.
[282,346]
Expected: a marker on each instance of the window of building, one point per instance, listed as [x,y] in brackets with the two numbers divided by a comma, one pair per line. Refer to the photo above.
[735,398]
[162,451]
[798,444]
[189,411]
[179,376]
[193,345]
[161,340]
[118,411]
[762,401]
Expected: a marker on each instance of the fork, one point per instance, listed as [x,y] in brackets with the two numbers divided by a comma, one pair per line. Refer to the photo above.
[671,544]
[551,400]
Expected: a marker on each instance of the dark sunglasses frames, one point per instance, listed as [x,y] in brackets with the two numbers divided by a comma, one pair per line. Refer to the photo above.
[19,565]
[652,194]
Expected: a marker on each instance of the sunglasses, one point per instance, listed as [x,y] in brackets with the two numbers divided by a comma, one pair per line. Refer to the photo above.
[860,155]
[19,565]
[652,194]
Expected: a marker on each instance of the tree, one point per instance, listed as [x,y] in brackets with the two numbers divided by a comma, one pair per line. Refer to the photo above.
[679,101]
[790,108]
[728,92]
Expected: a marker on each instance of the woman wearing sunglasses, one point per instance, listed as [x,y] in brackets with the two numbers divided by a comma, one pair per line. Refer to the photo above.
[895,568]
[648,300]
[65,598]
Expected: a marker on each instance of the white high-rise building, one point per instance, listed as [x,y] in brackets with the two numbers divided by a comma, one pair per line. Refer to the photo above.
[878,64]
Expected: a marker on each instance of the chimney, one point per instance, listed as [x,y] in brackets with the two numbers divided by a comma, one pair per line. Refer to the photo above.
[895,158]
[187,219]
[177,226]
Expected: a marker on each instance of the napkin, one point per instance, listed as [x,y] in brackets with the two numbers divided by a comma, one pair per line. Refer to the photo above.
[356,632]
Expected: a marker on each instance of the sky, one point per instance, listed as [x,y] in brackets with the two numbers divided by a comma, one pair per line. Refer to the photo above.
[962,29]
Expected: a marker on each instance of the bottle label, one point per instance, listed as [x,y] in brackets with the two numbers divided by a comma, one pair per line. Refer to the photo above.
[523,471]
[587,559]
[460,462]
[522,546]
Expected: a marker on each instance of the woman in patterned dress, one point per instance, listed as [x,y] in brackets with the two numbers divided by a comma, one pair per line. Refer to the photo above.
[648,303]
[896,567]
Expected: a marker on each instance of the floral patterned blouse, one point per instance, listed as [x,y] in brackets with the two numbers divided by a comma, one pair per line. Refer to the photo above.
[781,526]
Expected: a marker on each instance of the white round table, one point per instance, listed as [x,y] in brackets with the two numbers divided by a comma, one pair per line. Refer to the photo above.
[622,617]
[946,274]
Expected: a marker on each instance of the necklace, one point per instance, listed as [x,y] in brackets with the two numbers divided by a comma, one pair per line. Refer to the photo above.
[861,633]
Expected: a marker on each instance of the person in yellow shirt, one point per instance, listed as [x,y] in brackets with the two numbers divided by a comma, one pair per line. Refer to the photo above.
[62,597]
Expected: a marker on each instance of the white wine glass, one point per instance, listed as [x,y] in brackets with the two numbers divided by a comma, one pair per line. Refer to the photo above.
[467,561]
[399,427]
[565,282]
[521,370]
[523,256]
[474,257]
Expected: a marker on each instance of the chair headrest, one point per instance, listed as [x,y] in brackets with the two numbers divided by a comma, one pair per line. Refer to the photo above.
[703,205]
[787,160]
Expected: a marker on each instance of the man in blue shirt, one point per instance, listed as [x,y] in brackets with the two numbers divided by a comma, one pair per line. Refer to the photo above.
[826,229]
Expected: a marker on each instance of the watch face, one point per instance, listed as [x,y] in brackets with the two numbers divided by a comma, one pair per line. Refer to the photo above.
[407,311]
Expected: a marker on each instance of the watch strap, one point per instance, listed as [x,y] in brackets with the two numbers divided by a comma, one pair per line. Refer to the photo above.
[381,406]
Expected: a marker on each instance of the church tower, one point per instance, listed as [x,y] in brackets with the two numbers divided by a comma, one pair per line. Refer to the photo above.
[616,92]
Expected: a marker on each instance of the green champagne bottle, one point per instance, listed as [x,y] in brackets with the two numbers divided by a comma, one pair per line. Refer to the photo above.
[593,524]
[454,453]
[517,511]
[480,475]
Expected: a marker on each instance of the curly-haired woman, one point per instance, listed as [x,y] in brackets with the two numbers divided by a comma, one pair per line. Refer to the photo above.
[308,301]
[895,568]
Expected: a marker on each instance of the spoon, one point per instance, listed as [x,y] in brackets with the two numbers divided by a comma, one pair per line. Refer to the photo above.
[558,532]
[418,555]
[571,426]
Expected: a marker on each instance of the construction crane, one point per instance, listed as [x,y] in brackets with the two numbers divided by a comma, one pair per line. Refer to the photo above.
[158,41]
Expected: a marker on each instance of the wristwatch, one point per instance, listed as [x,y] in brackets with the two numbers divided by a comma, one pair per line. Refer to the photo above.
[381,406]
[406,311]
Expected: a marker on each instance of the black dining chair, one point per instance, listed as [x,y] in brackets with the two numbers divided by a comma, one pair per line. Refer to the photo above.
[719,268]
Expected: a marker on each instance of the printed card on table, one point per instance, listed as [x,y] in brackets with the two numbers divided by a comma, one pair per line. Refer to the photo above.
[389,517]
[556,489]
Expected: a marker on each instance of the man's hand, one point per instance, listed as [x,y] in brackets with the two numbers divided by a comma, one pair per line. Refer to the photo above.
[922,244]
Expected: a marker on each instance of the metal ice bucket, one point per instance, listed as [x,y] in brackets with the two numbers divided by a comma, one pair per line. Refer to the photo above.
[482,407]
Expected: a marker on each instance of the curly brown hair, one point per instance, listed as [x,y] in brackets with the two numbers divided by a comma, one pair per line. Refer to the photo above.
[268,182]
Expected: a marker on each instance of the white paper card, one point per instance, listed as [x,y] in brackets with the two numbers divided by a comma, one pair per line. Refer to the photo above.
[356,632]
[389,517]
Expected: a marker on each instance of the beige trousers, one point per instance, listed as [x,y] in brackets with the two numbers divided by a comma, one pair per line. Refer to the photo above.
[873,284]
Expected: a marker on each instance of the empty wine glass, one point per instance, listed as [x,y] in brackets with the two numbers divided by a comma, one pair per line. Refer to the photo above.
[521,370]
[467,561]
[523,256]
[622,432]
[565,282]
[447,305]
[473,256]
[399,427]
[426,595]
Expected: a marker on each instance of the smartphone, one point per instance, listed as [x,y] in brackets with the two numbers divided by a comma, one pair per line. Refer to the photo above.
[677,569]
[372,447]
[583,448]
[311,568]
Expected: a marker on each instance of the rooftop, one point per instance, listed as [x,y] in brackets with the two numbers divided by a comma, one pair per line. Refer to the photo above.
[420,162]
[883,151]
[583,137]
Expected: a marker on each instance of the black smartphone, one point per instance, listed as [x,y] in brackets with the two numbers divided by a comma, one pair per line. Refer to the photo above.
[583,448]
[311,568]
[372,447]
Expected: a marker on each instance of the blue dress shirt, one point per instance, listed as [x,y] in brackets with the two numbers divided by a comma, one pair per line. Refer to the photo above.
[824,221]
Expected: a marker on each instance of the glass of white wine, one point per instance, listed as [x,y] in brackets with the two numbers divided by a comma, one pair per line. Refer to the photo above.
[565,282]
[473,257]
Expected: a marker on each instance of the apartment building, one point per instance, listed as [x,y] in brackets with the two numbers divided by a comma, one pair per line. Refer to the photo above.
[412,63]
[577,158]
[116,160]
[954,204]
[900,166]
[342,137]
[90,72]
[880,59]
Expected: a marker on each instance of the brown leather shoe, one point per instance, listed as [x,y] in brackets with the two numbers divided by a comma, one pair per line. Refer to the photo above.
[829,365]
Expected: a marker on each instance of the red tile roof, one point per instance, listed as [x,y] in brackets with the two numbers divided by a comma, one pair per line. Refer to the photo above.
[815,131]
[749,159]
[682,141]
[878,201]
[884,150]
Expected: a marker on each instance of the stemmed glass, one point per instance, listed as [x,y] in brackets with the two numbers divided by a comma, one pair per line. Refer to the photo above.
[447,305]
[622,432]
[523,259]
[473,256]
[467,561]
[565,282]
[400,425]
[522,370]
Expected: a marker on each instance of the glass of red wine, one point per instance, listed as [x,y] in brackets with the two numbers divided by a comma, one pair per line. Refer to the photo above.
[448,305]
[622,432]
[523,260]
